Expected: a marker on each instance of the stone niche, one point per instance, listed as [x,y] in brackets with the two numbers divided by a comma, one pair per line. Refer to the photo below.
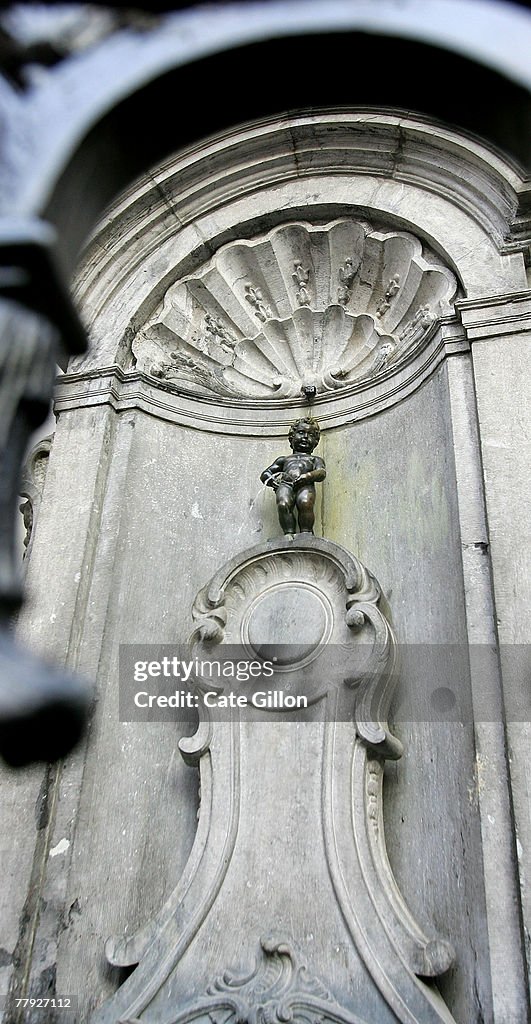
[285,263]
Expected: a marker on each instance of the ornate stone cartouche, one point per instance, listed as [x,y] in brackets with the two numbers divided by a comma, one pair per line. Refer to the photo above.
[288,909]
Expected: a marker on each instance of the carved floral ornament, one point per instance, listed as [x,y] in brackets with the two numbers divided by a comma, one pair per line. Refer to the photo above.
[302,307]
[280,989]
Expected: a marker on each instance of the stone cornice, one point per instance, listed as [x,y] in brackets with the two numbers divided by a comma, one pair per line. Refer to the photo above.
[133,389]
[495,315]
[243,161]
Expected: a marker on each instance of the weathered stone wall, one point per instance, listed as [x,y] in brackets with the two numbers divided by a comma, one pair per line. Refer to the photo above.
[164,507]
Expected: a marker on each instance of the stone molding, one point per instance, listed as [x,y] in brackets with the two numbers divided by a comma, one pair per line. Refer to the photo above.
[400,177]
[247,160]
[132,389]
[495,315]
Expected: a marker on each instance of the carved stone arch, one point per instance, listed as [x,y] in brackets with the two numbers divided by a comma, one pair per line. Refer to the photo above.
[201,316]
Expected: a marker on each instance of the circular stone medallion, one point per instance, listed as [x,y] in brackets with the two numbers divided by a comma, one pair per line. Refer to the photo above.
[290,622]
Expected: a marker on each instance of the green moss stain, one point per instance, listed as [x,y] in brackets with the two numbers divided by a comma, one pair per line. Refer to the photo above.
[375,498]
[422,506]
[350,484]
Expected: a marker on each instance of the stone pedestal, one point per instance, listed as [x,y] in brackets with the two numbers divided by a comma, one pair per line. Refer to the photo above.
[288,908]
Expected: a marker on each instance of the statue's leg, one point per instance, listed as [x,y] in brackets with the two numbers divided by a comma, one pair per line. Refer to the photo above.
[285,506]
[305,504]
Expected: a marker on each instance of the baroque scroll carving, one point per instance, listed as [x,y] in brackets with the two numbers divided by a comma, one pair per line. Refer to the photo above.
[279,989]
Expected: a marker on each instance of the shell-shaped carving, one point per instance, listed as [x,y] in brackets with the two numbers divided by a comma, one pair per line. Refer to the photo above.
[302,306]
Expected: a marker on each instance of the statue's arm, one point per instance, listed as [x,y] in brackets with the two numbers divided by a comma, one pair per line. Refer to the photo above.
[316,474]
[272,471]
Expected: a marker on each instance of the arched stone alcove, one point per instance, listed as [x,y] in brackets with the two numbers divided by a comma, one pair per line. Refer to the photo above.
[213,289]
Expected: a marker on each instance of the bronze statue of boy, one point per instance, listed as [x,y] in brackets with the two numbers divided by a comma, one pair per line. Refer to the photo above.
[293,477]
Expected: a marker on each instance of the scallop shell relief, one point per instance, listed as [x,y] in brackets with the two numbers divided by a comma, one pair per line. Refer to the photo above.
[303,306]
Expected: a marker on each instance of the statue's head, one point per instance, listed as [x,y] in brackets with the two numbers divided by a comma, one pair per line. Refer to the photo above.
[304,435]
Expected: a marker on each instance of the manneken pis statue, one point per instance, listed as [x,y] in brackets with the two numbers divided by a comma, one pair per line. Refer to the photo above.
[293,477]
